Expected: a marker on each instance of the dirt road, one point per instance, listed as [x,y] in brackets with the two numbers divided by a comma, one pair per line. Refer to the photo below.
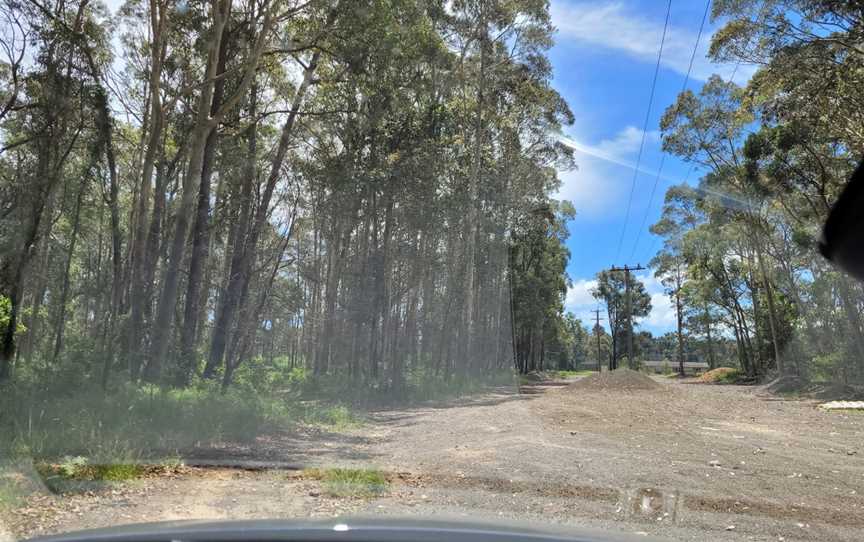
[684,462]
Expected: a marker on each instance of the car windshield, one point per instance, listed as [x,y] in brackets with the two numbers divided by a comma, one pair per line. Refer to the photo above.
[551,262]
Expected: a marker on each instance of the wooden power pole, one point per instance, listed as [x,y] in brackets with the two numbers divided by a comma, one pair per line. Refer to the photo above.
[628,308]
[597,332]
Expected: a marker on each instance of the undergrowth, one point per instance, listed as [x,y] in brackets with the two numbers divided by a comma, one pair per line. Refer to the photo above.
[49,419]
[721,375]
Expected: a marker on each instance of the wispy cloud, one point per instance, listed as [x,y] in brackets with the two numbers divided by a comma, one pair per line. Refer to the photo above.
[613,26]
[598,186]
[618,149]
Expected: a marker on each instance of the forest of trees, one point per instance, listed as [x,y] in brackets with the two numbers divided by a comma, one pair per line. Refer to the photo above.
[739,256]
[356,188]
[365,190]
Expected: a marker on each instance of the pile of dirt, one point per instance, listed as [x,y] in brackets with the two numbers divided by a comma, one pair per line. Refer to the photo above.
[823,391]
[620,379]
[720,374]
[786,384]
[834,391]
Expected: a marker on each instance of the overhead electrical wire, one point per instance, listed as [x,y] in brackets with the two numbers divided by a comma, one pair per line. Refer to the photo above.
[760,14]
[663,154]
[644,130]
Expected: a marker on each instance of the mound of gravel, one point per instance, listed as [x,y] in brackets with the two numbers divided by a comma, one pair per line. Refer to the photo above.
[620,379]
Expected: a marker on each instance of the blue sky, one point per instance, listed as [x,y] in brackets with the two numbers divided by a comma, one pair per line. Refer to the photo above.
[604,60]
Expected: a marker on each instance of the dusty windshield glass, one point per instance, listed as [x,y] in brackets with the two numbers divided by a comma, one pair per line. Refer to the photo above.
[551,262]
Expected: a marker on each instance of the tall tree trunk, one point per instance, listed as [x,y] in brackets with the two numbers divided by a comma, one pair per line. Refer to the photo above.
[138,254]
[853,320]
[204,125]
[229,297]
[712,362]
[772,313]
[468,310]
[200,240]
[62,303]
[241,262]
[680,329]
[246,328]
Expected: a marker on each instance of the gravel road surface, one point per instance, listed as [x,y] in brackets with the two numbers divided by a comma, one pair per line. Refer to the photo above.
[682,462]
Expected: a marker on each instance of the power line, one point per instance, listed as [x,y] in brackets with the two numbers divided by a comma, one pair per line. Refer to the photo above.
[663,154]
[644,130]
[761,13]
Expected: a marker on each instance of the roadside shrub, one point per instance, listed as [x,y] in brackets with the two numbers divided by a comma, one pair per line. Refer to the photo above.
[129,422]
[721,375]
[260,375]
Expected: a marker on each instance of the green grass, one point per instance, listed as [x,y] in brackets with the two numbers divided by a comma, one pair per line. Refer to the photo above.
[49,419]
[10,494]
[135,423]
[571,374]
[337,417]
[75,474]
[350,482]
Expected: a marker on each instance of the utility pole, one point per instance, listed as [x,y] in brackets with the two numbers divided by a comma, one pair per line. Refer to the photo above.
[597,332]
[628,308]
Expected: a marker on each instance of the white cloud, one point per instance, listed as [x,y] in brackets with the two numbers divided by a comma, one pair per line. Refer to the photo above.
[618,149]
[612,26]
[662,317]
[627,141]
[579,294]
[594,189]
[580,302]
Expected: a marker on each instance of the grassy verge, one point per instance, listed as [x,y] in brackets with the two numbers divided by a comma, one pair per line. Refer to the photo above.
[336,417]
[77,474]
[358,483]
[79,436]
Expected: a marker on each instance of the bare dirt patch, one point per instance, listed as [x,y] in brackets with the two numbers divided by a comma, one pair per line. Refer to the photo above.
[679,461]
